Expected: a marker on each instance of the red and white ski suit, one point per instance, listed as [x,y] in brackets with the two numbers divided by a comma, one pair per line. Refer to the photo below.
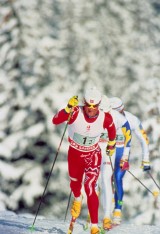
[84,153]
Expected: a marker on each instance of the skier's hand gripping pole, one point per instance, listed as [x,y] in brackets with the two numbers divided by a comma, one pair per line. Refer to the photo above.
[110,149]
[73,102]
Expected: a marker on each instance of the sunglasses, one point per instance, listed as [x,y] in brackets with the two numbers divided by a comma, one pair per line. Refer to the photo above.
[90,105]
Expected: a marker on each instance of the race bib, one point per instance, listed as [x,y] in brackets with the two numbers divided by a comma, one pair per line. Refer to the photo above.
[104,136]
[84,140]
[120,138]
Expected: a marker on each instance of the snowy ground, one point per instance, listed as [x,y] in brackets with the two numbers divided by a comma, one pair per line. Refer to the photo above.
[11,223]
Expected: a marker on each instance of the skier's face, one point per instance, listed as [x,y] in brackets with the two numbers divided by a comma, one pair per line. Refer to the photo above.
[91,110]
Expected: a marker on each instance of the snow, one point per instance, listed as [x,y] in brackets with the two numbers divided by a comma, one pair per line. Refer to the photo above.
[12,223]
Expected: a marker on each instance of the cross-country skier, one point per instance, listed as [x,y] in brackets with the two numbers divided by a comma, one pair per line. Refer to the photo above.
[84,155]
[123,142]
[122,164]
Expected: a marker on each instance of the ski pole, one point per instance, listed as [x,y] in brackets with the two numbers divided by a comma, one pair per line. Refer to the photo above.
[154,180]
[32,227]
[71,225]
[69,198]
[153,193]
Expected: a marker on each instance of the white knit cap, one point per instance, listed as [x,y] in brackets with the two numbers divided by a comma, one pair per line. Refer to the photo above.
[92,96]
[116,103]
[105,104]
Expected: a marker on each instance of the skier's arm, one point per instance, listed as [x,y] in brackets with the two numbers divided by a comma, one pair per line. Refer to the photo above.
[110,126]
[143,139]
[127,143]
[60,117]
[63,115]
[124,164]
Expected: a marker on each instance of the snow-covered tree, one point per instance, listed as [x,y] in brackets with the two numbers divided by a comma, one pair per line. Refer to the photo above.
[51,50]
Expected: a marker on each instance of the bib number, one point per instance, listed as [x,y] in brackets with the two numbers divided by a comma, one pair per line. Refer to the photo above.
[120,138]
[104,136]
[83,140]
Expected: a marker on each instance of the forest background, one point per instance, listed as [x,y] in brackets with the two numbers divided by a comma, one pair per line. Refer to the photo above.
[52,50]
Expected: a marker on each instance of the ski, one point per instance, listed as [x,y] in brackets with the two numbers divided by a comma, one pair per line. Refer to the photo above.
[104,231]
[71,226]
[86,225]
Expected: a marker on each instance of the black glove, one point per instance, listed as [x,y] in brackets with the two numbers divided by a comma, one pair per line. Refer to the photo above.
[145,166]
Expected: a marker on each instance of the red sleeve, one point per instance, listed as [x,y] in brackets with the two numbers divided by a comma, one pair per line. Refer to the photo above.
[109,125]
[60,117]
[63,116]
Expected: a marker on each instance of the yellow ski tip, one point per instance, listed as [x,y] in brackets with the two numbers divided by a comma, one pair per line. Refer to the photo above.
[155,193]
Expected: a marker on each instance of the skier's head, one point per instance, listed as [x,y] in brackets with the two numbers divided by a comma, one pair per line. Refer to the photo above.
[116,104]
[92,99]
[92,96]
[105,104]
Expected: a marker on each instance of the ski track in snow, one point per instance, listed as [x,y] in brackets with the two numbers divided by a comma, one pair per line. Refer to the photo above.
[11,223]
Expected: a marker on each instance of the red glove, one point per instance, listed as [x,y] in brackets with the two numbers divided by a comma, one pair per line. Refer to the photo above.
[124,164]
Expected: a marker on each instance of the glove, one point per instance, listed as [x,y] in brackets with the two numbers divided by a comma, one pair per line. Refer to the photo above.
[124,165]
[145,166]
[111,146]
[71,103]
